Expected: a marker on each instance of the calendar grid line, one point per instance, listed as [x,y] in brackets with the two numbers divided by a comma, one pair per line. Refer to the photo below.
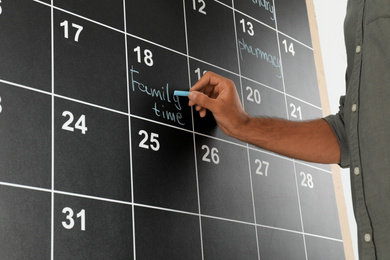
[52,131]
[247,145]
[130,139]
[288,117]
[193,136]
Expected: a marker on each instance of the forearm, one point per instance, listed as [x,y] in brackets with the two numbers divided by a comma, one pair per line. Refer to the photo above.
[312,141]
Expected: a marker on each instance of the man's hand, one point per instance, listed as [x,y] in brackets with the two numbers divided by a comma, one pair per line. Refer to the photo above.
[219,95]
[311,140]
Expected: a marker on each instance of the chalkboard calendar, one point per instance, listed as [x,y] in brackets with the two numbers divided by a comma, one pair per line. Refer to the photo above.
[99,160]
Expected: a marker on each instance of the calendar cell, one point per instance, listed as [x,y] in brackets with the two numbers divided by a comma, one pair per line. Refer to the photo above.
[258,52]
[228,240]
[91,151]
[166,235]
[263,101]
[91,229]
[108,13]
[211,34]
[224,180]
[299,71]
[90,63]
[25,139]
[261,10]
[207,124]
[163,166]
[323,249]
[318,202]
[292,24]
[154,74]
[274,191]
[25,46]
[279,244]
[158,21]
[25,228]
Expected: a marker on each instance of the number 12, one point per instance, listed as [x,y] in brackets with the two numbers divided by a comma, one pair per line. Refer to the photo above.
[201,9]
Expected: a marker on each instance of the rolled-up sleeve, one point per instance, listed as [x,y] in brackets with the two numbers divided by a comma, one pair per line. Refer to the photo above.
[337,124]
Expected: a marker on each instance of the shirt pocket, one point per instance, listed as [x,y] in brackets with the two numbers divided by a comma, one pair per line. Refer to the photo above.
[376,9]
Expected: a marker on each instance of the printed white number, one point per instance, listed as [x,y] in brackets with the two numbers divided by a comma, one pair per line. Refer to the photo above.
[198,71]
[259,168]
[154,144]
[307,180]
[250,30]
[1,9]
[213,152]
[254,95]
[79,28]
[148,56]
[296,111]
[289,48]
[80,123]
[69,223]
[1,107]
[201,9]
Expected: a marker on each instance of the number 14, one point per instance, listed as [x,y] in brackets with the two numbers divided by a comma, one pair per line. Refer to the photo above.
[289,48]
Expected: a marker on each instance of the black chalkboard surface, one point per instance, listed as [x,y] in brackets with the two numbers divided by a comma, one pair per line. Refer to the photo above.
[99,160]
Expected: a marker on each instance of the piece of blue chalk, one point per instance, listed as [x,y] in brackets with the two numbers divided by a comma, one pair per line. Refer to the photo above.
[181,93]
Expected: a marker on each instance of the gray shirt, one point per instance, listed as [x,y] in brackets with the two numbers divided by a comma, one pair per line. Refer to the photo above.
[362,125]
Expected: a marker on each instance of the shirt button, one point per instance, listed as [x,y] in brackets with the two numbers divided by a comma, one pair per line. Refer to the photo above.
[358,49]
[367,238]
[354,108]
[356,171]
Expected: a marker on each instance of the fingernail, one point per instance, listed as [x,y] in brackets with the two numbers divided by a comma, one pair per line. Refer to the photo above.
[192,95]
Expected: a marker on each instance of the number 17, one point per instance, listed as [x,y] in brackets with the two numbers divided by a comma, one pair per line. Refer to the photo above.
[79,28]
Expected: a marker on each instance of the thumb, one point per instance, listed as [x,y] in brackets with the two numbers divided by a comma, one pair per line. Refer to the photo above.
[200,99]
